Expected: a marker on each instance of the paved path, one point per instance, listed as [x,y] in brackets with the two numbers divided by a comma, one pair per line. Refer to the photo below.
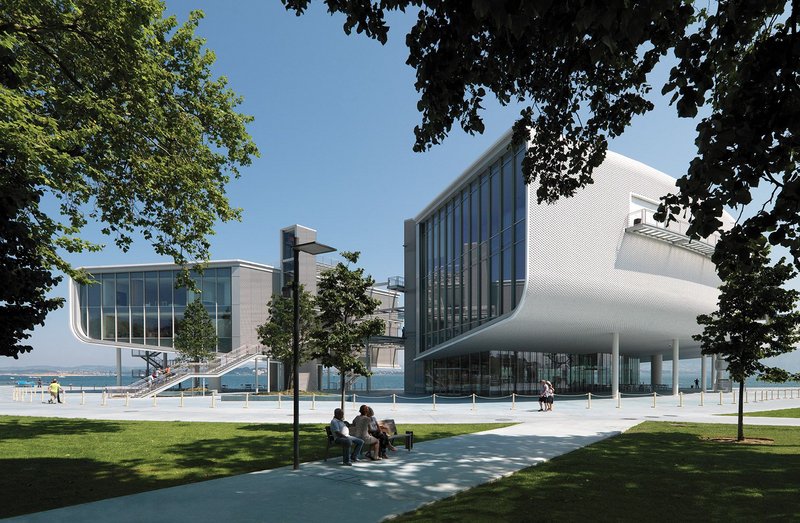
[432,471]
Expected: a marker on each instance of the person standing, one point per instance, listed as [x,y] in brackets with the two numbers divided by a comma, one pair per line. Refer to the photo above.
[55,391]
[549,396]
[351,446]
[543,389]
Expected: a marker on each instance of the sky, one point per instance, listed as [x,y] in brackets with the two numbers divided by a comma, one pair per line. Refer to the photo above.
[334,119]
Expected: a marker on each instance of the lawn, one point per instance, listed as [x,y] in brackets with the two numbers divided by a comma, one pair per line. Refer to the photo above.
[783,413]
[654,472]
[51,462]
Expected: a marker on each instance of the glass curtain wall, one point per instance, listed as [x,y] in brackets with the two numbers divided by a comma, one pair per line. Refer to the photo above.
[500,373]
[472,253]
[147,308]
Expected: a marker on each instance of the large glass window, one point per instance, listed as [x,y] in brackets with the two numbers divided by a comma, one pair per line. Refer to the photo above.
[145,307]
[472,253]
[123,289]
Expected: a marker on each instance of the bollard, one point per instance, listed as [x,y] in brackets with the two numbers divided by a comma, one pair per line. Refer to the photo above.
[313,402]
[746,397]
[181,403]
[213,404]
[102,399]
[720,397]
[394,401]
[30,400]
[434,401]
[279,400]
[513,401]
[473,401]
[733,397]
[702,398]
[680,399]
[246,400]
[354,401]
[619,400]
[154,400]
[42,394]
[589,404]
[83,398]
[127,398]
[654,400]
[65,397]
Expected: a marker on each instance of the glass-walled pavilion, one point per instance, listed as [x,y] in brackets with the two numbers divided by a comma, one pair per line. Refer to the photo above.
[145,307]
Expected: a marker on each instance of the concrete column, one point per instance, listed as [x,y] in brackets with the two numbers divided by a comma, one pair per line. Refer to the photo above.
[615,365]
[702,372]
[675,365]
[255,370]
[119,367]
[714,372]
[656,370]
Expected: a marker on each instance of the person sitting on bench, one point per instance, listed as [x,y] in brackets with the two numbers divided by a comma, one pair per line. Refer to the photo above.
[375,429]
[341,434]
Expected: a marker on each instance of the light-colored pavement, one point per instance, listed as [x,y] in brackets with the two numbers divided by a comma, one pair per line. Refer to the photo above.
[375,490]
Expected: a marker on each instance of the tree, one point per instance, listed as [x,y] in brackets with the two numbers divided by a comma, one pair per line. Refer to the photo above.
[195,337]
[276,332]
[756,318]
[109,112]
[23,278]
[344,306]
[580,70]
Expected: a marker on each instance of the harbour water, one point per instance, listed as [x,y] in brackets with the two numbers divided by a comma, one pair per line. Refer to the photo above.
[393,381]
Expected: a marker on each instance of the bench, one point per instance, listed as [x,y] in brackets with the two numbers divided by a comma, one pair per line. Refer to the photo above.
[388,426]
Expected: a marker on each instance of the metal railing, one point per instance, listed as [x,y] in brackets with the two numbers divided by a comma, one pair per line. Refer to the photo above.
[647,217]
[221,364]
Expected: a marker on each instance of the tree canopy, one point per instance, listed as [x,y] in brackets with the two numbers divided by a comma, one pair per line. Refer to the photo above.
[580,68]
[109,112]
[195,337]
[756,319]
[344,306]
[276,332]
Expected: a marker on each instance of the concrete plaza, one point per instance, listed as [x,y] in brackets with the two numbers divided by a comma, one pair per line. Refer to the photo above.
[433,470]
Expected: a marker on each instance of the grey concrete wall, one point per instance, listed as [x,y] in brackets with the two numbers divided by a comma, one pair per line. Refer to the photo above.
[414,372]
[255,289]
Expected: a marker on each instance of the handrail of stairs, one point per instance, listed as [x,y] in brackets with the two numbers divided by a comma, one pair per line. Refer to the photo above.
[218,366]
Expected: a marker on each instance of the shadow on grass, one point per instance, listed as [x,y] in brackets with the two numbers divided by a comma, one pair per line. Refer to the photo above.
[47,483]
[28,428]
[652,474]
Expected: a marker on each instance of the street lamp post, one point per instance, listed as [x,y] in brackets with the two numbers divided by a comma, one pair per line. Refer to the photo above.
[308,248]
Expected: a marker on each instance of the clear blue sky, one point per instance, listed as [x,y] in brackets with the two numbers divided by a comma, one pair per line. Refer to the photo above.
[334,118]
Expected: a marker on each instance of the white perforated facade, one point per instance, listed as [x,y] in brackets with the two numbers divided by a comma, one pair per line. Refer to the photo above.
[591,276]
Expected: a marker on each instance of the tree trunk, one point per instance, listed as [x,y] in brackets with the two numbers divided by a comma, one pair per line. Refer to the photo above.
[740,433]
[288,377]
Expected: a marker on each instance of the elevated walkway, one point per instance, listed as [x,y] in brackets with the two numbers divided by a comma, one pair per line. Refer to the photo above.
[220,365]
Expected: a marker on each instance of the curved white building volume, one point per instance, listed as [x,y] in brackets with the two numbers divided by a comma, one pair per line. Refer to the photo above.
[502,292]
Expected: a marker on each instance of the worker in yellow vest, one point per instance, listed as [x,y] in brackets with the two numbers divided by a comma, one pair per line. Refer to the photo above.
[55,391]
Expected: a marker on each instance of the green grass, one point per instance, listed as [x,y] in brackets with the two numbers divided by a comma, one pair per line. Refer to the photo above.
[653,472]
[47,463]
[783,413]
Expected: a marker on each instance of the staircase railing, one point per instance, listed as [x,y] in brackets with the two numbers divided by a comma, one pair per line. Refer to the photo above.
[221,364]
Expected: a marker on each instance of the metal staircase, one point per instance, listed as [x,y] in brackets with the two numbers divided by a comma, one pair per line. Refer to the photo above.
[220,365]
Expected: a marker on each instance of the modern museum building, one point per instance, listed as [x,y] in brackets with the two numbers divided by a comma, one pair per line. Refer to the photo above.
[501,292]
